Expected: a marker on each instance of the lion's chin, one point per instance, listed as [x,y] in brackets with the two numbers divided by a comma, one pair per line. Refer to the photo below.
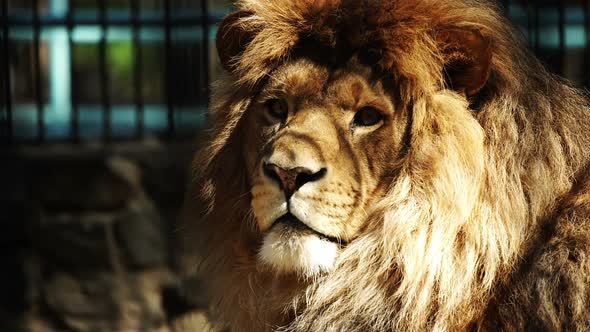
[289,249]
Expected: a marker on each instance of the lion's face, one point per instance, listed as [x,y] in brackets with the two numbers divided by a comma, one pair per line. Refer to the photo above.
[325,150]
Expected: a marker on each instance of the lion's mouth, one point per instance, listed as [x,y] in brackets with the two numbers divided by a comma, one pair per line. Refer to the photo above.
[295,224]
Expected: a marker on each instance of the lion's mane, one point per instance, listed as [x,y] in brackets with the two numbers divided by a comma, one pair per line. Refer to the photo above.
[487,223]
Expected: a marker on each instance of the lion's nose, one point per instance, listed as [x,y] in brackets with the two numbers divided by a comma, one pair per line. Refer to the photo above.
[292,179]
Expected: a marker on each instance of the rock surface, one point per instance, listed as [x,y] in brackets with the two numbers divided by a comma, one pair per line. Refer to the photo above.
[87,238]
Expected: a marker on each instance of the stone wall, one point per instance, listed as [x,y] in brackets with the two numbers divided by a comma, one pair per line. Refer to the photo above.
[87,237]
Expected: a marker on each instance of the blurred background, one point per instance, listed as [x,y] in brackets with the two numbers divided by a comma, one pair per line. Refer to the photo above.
[100,102]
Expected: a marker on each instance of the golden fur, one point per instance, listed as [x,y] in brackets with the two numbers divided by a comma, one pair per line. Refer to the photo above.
[472,205]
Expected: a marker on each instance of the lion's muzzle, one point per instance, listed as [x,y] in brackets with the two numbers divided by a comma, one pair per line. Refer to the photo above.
[291,179]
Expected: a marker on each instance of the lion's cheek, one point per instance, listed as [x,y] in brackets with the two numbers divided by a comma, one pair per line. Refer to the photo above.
[327,216]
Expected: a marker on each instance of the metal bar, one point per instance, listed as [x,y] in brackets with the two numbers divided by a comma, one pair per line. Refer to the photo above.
[3,111]
[168,66]
[104,75]
[50,20]
[537,31]
[3,115]
[37,71]
[75,117]
[60,84]
[530,22]
[6,71]
[587,43]
[561,22]
[137,68]
[205,42]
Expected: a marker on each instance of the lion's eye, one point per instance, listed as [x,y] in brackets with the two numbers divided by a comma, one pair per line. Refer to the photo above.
[277,108]
[367,116]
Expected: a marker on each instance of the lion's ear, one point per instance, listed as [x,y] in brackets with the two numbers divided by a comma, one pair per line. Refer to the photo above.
[467,59]
[232,38]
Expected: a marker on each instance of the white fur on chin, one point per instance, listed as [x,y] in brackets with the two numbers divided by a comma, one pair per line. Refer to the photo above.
[289,251]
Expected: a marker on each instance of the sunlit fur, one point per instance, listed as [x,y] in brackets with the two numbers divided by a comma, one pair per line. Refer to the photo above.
[305,253]
[485,225]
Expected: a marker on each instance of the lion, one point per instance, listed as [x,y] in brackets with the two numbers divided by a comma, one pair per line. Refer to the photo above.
[394,165]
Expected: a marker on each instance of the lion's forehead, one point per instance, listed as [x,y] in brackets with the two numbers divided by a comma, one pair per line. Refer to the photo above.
[311,83]
[300,78]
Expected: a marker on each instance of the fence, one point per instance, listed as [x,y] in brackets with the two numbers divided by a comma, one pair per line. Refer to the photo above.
[75,70]
[558,32]
[110,70]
